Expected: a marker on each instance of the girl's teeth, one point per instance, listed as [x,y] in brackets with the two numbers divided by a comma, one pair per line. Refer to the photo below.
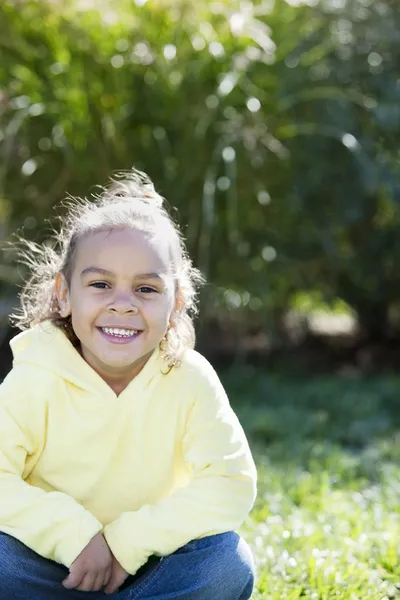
[120,332]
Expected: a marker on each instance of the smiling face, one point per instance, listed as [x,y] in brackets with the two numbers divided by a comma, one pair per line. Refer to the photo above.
[121,297]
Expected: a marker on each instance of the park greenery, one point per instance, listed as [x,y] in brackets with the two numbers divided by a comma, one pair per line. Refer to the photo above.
[272,126]
[326,522]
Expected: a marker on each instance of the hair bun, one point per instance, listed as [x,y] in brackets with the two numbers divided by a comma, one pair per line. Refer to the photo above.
[134,186]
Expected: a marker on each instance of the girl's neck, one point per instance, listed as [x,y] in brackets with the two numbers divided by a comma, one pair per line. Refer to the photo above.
[118,381]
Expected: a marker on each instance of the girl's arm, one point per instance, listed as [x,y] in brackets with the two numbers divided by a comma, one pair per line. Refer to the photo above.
[218,498]
[52,524]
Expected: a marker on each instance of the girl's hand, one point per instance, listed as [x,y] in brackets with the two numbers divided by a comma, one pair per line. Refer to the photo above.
[92,569]
[118,576]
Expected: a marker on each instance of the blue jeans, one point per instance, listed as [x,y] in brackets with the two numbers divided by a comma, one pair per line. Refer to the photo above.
[217,567]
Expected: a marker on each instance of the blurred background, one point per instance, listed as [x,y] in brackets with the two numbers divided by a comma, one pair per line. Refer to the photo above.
[273,128]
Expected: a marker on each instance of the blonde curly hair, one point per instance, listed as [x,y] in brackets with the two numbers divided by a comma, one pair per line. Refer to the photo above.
[129,201]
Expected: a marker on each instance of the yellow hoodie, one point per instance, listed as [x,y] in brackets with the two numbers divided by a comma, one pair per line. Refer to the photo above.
[163,463]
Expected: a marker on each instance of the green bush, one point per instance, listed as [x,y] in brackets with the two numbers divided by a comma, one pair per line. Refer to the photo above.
[272,128]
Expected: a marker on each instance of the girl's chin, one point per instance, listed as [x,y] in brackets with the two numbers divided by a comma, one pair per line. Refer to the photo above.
[118,357]
[123,362]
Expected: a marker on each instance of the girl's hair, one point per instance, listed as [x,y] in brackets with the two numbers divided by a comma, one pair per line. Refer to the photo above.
[130,201]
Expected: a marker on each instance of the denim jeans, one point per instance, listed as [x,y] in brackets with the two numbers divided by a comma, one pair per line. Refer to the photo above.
[217,567]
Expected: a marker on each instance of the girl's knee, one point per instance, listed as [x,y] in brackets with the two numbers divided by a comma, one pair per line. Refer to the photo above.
[237,563]
[12,554]
[238,554]
[11,565]
[20,566]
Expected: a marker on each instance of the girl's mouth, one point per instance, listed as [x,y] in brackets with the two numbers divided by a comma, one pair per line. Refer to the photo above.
[117,334]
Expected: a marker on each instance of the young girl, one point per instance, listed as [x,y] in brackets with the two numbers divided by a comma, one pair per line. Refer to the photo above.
[123,469]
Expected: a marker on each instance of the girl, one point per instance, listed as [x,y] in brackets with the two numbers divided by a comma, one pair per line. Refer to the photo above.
[123,469]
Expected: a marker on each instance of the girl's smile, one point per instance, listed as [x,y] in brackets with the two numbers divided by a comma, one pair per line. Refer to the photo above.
[118,335]
[120,299]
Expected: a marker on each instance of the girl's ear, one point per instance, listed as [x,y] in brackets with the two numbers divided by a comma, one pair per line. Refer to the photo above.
[62,295]
[179,305]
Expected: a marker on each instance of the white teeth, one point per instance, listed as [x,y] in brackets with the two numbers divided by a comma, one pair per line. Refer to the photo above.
[120,332]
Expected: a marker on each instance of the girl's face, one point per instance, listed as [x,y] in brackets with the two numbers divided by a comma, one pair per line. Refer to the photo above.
[121,298]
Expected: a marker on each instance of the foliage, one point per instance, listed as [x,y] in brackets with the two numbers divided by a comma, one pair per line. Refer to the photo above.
[326,522]
[272,126]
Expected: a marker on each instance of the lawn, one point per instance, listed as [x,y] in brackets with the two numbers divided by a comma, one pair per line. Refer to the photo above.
[326,523]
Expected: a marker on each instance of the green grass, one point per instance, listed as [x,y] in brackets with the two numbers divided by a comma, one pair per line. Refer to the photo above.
[326,523]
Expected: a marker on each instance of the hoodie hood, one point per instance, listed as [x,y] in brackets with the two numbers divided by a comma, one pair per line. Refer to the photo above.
[47,347]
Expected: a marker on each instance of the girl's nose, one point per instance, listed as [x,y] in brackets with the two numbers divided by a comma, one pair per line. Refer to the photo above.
[122,304]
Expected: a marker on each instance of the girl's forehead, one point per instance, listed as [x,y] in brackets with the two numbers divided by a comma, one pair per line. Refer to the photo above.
[124,246]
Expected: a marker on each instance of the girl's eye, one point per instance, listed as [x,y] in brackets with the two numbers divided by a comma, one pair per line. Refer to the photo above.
[145,289]
[102,285]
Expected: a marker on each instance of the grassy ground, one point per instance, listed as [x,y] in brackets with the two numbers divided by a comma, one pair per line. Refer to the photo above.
[326,523]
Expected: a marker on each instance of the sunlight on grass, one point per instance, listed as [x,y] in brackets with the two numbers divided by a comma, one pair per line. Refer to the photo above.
[326,523]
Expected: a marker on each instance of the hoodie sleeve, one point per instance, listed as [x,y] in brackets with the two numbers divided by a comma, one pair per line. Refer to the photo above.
[51,523]
[219,496]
